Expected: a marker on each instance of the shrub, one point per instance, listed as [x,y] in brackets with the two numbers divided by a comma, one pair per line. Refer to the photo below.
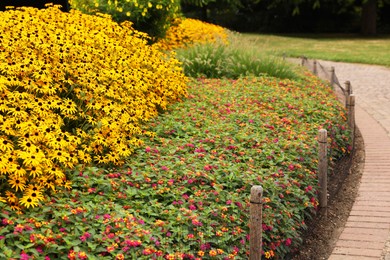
[231,61]
[150,16]
[187,32]
[74,89]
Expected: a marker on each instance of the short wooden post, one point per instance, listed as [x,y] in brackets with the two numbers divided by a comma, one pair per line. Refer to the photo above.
[347,91]
[284,56]
[303,61]
[332,76]
[351,112]
[255,222]
[323,168]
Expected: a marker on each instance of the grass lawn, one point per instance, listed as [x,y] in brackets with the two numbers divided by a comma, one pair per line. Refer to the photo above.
[338,47]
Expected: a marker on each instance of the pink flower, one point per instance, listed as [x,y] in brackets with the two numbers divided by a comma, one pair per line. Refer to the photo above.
[238,204]
[85,236]
[208,167]
[18,228]
[164,168]
[24,256]
[196,222]
[192,207]
[308,188]
[133,243]
[288,242]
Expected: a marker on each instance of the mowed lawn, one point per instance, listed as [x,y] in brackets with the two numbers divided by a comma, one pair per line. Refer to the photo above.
[337,47]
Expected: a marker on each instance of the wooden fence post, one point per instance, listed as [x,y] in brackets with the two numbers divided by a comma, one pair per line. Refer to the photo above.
[303,61]
[315,67]
[351,112]
[255,239]
[347,92]
[323,168]
[332,76]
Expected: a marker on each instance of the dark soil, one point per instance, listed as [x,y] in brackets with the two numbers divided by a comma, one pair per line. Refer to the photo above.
[325,228]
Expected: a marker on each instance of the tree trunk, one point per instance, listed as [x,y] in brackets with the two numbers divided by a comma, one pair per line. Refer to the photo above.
[369,16]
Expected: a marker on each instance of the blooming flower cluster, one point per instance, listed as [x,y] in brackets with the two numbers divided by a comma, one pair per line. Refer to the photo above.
[74,89]
[185,194]
[186,32]
[151,16]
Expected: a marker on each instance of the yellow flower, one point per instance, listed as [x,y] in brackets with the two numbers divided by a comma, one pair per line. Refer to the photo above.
[29,201]
[14,206]
[186,32]
[68,185]
[17,183]
[213,253]
[5,144]
[77,90]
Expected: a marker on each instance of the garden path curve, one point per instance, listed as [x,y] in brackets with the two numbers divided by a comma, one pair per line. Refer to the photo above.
[366,234]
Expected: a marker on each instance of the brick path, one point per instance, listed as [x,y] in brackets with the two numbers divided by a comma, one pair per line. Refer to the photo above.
[366,234]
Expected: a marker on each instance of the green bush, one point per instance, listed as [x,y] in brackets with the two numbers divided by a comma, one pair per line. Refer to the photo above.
[218,60]
[150,16]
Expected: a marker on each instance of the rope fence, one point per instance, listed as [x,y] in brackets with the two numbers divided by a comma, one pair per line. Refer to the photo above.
[326,167]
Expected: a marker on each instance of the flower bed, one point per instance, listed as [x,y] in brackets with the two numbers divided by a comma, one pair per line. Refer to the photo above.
[186,32]
[185,194]
[74,89]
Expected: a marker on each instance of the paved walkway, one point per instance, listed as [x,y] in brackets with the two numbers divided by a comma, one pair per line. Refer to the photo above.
[366,234]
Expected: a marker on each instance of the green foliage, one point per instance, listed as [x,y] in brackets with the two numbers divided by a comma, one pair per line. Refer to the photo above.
[239,58]
[186,193]
[150,16]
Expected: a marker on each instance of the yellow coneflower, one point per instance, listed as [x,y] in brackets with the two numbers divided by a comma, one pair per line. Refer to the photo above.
[29,201]
[17,183]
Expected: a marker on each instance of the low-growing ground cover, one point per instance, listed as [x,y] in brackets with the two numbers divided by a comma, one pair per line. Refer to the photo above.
[185,195]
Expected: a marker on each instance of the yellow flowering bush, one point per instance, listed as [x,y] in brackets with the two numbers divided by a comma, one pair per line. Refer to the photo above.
[74,89]
[150,16]
[187,31]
